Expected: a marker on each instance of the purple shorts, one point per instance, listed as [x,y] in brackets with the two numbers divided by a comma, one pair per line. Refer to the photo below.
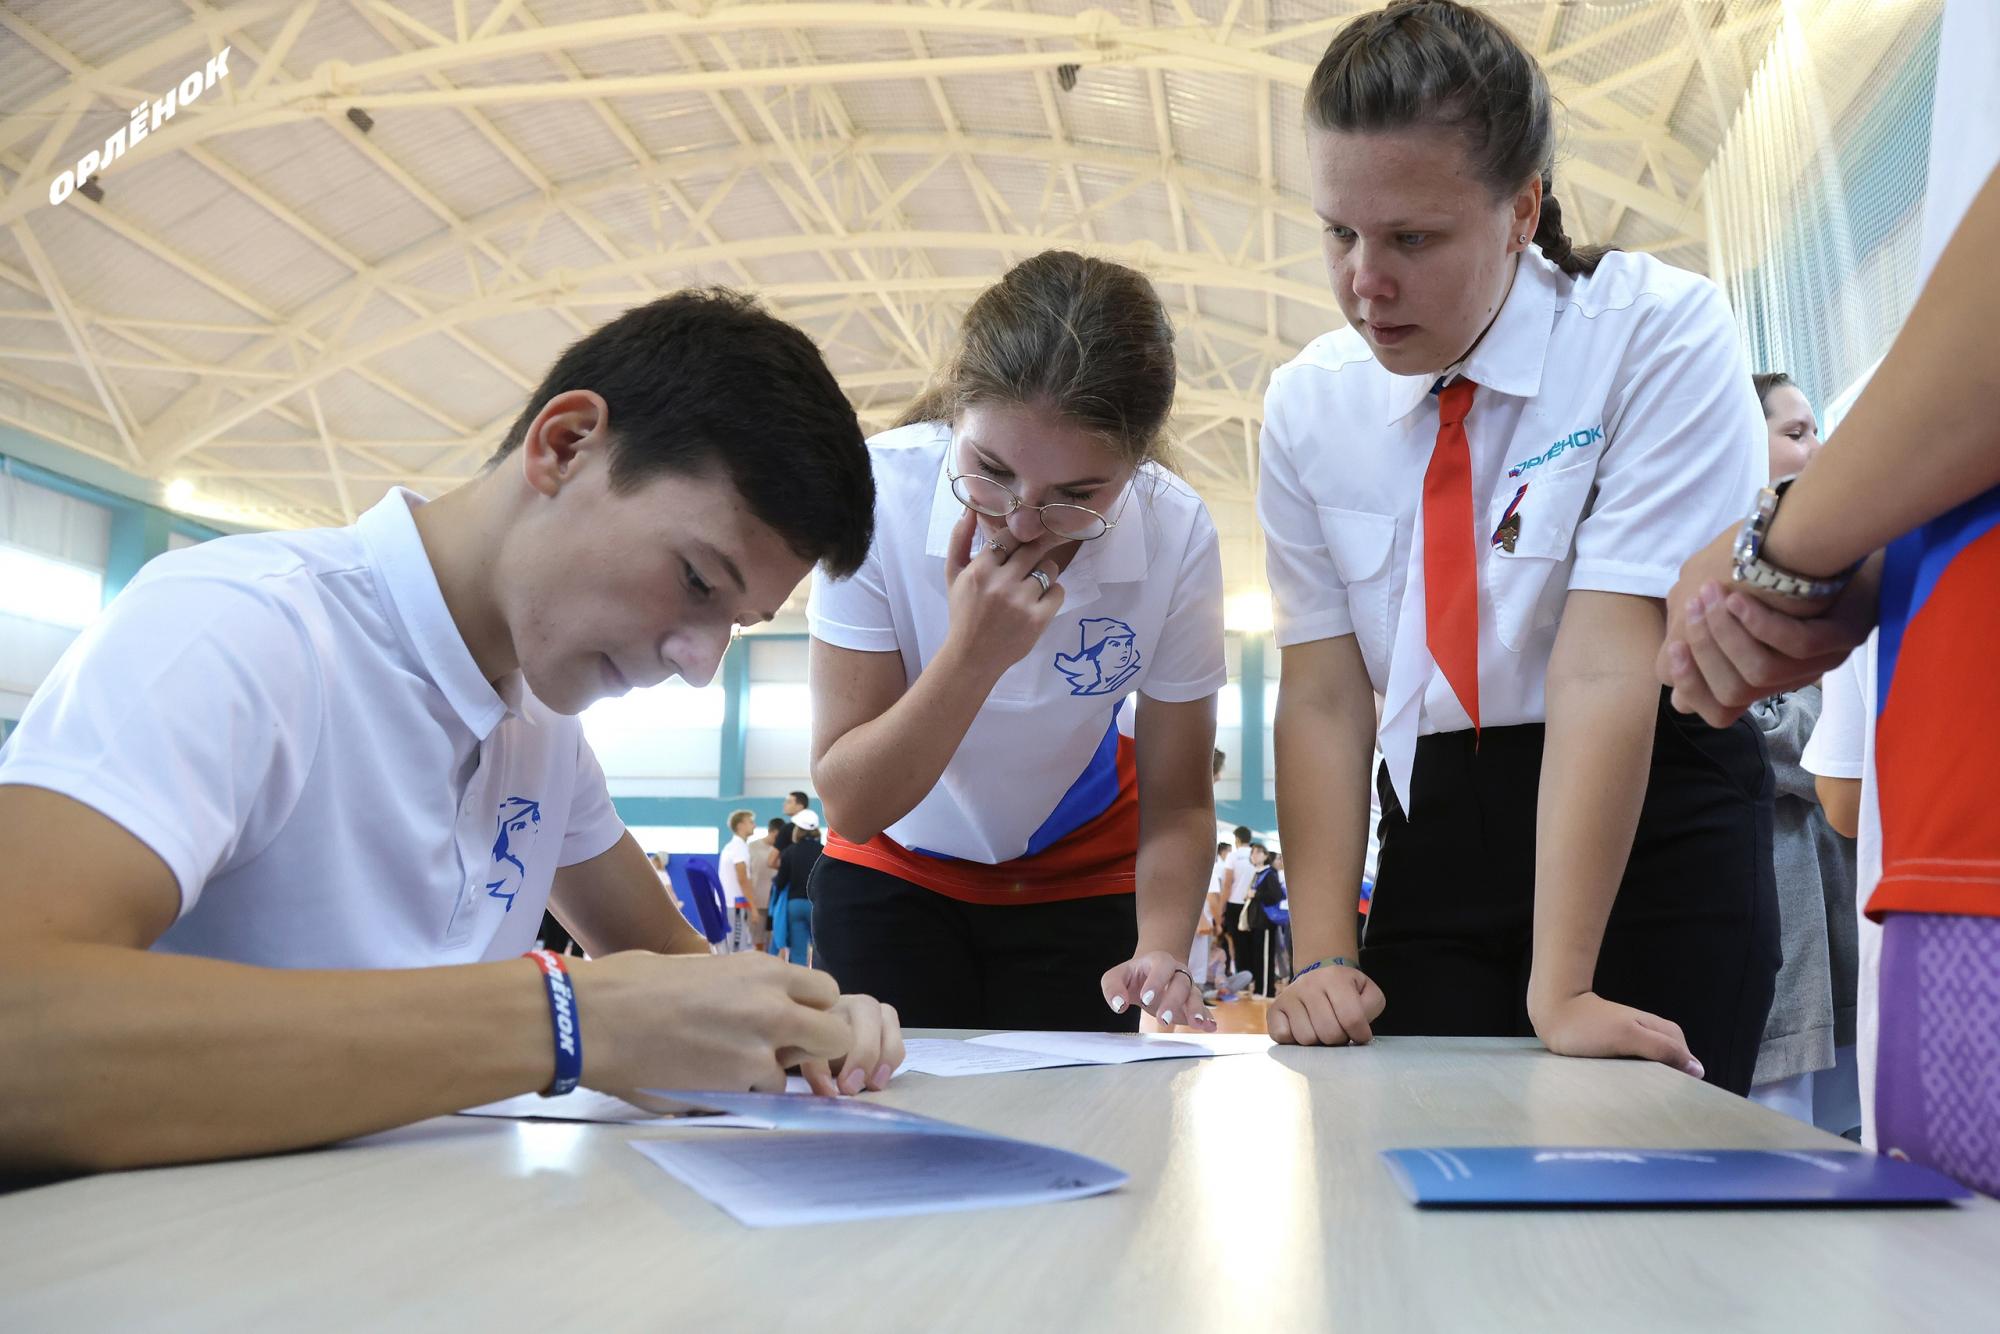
[1937,1081]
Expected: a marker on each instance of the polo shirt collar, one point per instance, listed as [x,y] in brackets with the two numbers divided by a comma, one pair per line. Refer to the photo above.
[409,586]
[1510,357]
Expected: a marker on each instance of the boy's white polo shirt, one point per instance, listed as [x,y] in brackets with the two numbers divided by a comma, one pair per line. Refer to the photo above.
[736,852]
[1614,432]
[1142,611]
[1240,874]
[293,724]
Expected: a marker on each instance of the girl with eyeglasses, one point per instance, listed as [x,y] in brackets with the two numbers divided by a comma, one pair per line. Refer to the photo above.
[1014,698]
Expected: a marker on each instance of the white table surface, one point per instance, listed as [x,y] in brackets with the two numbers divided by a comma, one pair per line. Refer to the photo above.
[1257,1203]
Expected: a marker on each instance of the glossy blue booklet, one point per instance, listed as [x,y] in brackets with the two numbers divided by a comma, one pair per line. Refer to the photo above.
[1588,1178]
[835,1159]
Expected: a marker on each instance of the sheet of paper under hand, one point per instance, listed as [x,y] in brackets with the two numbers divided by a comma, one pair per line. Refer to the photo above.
[840,1159]
[954,1056]
[1122,1048]
[590,1105]
[1005,1053]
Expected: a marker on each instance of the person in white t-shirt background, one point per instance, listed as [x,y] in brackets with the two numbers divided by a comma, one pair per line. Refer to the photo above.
[278,828]
[1238,873]
[1014,698]
[1209,933]
[732,867]
[1474,497]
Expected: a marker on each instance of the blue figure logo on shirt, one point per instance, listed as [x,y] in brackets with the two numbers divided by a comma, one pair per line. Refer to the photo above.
[520,821]
[1106,658]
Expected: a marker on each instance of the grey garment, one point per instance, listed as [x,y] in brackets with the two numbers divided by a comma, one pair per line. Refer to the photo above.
[1813,1011]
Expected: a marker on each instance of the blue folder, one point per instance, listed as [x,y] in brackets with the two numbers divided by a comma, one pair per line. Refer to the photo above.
[1599,1177]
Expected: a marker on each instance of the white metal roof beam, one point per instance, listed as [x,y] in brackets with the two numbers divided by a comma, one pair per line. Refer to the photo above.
[752,155]
[116,75]
[115,410]
[1640,70]
[353,356]
[336,86]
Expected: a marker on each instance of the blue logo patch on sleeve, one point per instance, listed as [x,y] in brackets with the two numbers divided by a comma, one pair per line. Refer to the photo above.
[1107,656]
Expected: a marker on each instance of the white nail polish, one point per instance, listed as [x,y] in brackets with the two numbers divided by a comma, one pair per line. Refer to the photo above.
[1166,1016]
[1118,1005]
[1146,999]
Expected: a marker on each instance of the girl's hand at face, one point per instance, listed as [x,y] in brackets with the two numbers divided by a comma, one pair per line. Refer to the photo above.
[998,607]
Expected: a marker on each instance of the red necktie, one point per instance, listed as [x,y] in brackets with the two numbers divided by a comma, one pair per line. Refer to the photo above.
[1451,580]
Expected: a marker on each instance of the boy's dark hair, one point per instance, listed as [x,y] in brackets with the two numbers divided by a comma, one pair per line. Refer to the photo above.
[1221,848]
[803,798]
[1242,833]
[776,823]
[706,380]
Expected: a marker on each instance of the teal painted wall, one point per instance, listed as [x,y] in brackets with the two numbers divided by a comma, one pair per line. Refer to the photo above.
[1256,811]
[139,528]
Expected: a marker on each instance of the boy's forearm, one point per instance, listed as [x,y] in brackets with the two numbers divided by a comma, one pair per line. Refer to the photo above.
[113,1057]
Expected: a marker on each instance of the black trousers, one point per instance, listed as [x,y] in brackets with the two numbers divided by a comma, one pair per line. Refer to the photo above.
[1259,941]
[944,963]
[1692,937]
[1237,938]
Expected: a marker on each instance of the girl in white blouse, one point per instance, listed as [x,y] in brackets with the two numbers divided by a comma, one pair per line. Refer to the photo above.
[1475,497]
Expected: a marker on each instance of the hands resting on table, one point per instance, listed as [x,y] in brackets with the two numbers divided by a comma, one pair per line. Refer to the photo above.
[729,1022]
[1333,1006]
[1159,984]
[1726,646]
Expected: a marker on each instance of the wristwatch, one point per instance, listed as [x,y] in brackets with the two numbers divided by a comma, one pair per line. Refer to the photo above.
[1751,568]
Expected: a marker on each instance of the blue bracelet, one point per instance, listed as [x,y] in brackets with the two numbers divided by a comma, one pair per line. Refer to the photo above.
[562,1014]
[1340,959]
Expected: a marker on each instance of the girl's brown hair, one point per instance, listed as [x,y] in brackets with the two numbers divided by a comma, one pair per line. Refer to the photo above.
[1764,382]
[1436,62]
[1083,337]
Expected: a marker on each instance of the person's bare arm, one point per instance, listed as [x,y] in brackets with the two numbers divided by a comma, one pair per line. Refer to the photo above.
[1176,830]
[114,1056]
[1324,737]
[1840,798]
[613,902]
[1602,706]
[1920,440]
[1922,437]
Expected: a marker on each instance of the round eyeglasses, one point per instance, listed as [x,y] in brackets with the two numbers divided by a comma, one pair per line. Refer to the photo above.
[983,495]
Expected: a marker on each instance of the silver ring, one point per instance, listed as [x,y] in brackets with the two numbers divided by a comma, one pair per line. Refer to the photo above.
[1041,577]
[998,550]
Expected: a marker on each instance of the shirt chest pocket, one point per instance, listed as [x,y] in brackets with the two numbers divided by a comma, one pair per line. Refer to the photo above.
[1362,544]
[1531,538]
